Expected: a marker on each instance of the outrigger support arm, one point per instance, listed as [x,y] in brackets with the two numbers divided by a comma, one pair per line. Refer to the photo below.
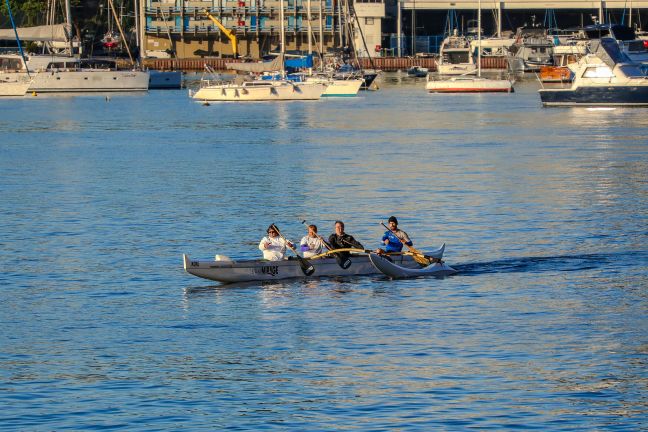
[228,33]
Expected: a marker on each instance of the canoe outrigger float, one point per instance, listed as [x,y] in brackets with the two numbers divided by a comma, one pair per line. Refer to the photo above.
[222,269]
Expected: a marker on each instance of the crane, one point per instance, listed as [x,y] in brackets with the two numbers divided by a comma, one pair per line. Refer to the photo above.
[228,33]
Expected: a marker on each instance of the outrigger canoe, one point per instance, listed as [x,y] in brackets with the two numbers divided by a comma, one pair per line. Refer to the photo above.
[225,270]
[395,270]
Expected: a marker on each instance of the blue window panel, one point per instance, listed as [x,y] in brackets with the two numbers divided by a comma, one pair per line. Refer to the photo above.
[178,22]
[253,22]
[263,22]
[329,22]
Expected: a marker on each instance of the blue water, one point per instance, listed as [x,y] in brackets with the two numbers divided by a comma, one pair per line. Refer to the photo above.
[544,212]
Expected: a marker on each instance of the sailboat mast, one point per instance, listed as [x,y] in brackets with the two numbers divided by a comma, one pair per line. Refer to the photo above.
[479,32]
[137,26]
[321,28]
[283,37]
[68,20]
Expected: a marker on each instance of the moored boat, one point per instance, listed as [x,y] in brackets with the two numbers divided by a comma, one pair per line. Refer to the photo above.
[467,84]
[606,77]
[225,270]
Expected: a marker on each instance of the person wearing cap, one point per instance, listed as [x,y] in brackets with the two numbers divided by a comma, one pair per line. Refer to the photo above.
[341,240]
[311,244]
[273,246]
[394,237]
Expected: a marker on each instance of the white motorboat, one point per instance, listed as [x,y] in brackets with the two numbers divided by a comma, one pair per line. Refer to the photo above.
[395,270]
[470,84]
[223,269]
[532,50]
[455,56]
[606,77]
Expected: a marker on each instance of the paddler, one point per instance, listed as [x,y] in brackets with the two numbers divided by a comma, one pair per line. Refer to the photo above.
[342,240]
[311,244]
[394,238]
[273,246]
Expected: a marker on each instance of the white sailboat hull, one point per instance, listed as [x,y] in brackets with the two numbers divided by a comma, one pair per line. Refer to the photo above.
[343,88]
[90,81]
[270,91]
[14,88]
[469,85]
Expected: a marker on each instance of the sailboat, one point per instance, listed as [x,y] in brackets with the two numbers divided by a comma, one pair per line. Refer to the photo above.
[14,85]
[335,87]
[471,84]
[279,89]
[59,73]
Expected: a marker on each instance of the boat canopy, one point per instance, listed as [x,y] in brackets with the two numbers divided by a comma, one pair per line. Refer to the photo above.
[618,31]
[271,66]
[54,33]
[607,49]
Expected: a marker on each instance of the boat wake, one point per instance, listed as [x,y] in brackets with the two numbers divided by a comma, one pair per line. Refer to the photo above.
[561,263]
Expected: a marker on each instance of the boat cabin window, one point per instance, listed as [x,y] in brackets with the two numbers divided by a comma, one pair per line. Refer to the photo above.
[457,57]
[62,65]
[97,64]
[598,72]
[633,70]
[257,84]
[10,64]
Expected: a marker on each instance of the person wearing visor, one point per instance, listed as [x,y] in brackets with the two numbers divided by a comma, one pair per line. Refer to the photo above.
[273,246]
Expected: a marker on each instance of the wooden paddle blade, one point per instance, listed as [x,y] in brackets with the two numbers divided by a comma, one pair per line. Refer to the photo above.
[421,259]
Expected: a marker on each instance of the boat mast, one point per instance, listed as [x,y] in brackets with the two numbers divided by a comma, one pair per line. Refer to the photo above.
[283,37]
[479,31]
[321,28]
[310,35]
[137,27]
[68,20]
[121,31]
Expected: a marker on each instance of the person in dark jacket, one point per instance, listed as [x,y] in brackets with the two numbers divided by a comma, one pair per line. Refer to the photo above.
[342,240]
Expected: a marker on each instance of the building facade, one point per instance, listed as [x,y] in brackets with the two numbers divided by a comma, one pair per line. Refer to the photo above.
[183,28]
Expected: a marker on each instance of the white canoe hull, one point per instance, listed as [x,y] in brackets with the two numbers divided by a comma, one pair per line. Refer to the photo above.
[262,270]
[395,270]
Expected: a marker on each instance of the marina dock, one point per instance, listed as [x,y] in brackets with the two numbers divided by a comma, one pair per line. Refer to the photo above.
[382,63]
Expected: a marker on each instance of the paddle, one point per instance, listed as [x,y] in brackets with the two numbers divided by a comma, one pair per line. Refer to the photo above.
[344,263]
[418,256]
[306,267]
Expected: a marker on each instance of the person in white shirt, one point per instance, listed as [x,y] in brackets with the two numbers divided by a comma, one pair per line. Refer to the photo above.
[311,244]
[273,246]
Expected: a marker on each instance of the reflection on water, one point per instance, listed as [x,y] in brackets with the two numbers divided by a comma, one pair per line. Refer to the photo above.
[543,212]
